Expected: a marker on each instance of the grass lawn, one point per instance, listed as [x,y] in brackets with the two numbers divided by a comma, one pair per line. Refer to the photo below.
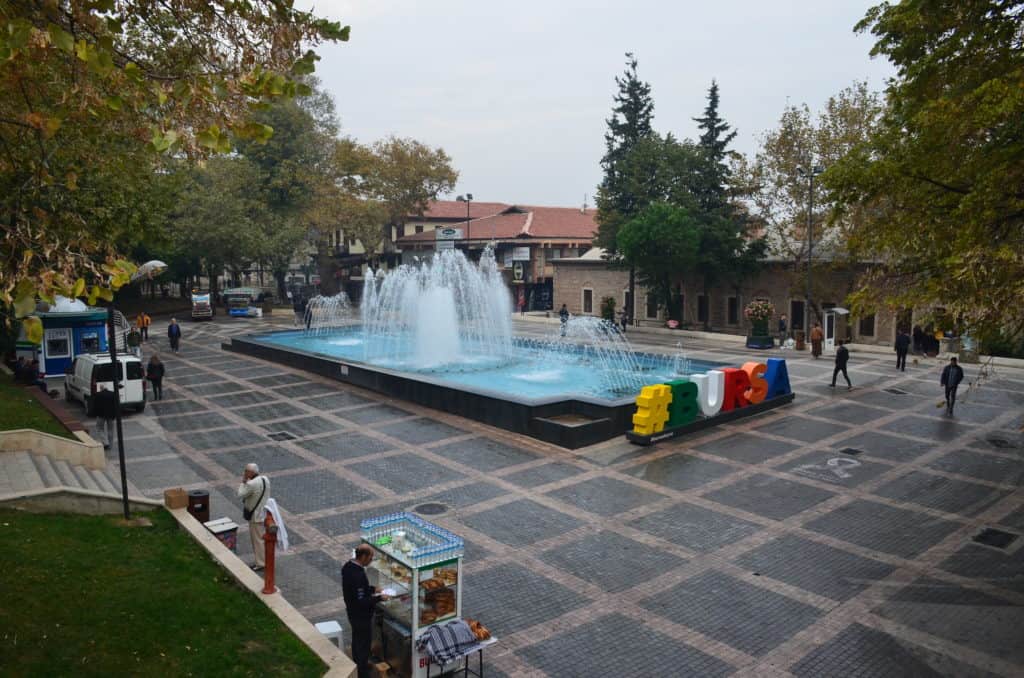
[18,409]
[85,596]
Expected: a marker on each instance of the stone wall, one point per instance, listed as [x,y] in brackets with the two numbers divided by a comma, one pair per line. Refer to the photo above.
[774,283]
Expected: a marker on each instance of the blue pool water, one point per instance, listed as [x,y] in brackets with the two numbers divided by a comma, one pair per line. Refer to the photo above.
[533,369]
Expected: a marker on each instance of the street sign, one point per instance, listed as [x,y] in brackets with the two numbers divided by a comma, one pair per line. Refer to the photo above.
[448,234]
[521,254]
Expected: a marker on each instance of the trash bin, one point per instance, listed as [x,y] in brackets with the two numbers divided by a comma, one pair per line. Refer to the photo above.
[226,531]
[199,505]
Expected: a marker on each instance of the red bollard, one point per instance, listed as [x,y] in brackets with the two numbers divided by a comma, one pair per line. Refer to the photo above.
[270,544]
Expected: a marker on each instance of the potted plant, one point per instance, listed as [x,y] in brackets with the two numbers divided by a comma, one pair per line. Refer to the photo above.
[759,313]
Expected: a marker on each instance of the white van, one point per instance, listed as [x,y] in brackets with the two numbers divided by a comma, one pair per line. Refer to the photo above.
[90,371]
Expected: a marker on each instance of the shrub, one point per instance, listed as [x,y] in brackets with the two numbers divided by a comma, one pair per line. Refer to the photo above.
[608,309]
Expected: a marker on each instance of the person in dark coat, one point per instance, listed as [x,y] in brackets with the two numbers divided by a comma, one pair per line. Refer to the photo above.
[174,334]
[360,601]
[952,375]
[105,408]
[305,308]
[902,346]
[563,315]
[155,372]
[842,358]
[918,335]
[783,328]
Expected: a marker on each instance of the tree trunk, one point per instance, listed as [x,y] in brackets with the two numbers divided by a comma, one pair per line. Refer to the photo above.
[281,291]
[707,307]
[630,313]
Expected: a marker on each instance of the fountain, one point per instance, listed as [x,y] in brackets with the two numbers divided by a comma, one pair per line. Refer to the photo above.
[325,314]
[440,333]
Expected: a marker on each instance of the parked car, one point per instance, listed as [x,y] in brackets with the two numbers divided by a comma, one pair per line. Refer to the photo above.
[90,371]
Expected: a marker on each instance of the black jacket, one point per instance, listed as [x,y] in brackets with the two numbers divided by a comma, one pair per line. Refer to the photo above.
[952,375]
[903,342]
[104,404]
[155,371]
[842,356]
[358,594]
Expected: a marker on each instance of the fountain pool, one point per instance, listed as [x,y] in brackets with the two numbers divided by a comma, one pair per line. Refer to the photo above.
[440,334]
[532,369]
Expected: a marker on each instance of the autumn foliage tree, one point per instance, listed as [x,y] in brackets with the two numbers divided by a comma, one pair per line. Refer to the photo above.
[941,179]
[94,92]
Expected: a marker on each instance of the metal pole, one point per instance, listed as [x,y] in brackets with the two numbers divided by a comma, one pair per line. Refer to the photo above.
[119,380]
[810,246]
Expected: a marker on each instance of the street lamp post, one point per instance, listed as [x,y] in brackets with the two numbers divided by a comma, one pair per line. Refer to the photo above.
[120,376]
[814,171]
[468,199]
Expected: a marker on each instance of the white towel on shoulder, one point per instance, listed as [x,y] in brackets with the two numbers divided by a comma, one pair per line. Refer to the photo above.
[282,532]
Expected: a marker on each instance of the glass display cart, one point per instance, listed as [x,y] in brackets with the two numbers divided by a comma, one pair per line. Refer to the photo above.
[420,565]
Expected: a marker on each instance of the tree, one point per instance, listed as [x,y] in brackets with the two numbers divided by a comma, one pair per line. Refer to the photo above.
[404,175]
[661,242]
[217,217]
[716,135]
[617,197]
[941,180]
[728,249]
[778,195]
[92,93]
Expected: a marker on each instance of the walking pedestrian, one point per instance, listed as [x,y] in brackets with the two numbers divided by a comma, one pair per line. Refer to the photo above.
[817,336]
[135,341]
[902,346]
[623,319]
[307,316]
[254,492]
[842,358]
[360,601]
[155,372]
[105,409]
[783,328]
[522,304]
[918,336]
[563,315]
[143,321]
[174,334]
[952,375]
[297,309]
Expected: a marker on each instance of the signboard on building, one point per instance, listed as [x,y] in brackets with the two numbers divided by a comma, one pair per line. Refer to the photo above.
[445,244]
[521,254]
[448,234]
[518,271]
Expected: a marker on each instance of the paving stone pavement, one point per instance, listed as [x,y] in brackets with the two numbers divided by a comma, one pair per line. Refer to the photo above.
[832,537]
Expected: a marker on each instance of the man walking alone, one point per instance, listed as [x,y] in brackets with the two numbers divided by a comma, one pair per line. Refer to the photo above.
[106,411]
[842,357]
[174,334]
[902,346]
[254,492]
[952,375]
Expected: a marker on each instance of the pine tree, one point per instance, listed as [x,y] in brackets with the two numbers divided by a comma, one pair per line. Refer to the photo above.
[715,138]
[617,201]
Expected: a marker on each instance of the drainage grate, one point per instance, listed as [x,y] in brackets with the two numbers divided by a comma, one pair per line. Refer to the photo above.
[1001,443]
[432,508]
[895,391]
[850,451]
[995,538]
[281,436]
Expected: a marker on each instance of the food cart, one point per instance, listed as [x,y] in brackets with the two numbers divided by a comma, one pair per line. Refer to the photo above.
[421,565]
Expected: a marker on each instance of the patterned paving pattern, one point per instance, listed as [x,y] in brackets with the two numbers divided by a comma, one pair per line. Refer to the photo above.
[755,548]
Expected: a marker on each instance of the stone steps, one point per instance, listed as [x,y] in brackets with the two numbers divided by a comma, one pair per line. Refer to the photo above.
[26,472]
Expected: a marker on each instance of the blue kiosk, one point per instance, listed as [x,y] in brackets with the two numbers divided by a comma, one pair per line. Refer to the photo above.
[68,334]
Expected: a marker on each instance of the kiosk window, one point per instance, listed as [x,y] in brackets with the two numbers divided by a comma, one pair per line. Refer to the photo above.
[58,343]
[91,343]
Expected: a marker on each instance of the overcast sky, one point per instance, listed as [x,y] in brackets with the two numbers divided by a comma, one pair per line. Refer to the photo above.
[518,93]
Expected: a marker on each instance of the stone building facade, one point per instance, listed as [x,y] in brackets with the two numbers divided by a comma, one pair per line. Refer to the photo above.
[581,284]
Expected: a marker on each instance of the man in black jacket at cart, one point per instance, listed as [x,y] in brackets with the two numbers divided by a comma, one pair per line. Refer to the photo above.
[360,599]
